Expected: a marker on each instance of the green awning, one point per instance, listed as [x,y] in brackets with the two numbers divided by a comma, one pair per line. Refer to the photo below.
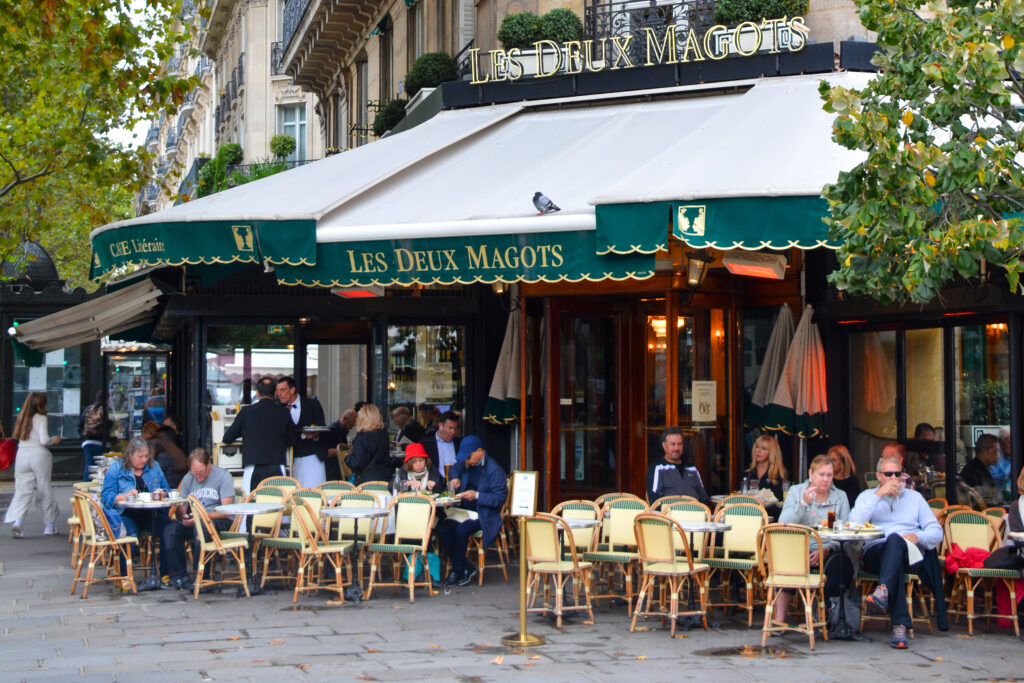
[290,242]
[629,228]
[527,257]
[734,223]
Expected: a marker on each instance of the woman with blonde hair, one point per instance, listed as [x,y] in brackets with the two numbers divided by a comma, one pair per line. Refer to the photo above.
[33,466]
[370,458]
[845,472]
[766,469]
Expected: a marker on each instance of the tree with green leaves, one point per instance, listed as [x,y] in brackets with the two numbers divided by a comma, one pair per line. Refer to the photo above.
[73,71]
[940,196]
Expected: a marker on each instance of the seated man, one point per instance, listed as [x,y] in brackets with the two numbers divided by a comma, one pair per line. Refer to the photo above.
[212,486]
[905,518]
[976,472]
[674,475]
[482,486]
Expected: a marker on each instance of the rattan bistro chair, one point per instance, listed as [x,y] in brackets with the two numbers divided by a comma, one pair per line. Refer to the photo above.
[785,562]
[99,546]
[316,548]
[666,561]
[972,529]
[211,544]
[549,557]
[414,520]
[738,551]
[583,540]
[617,552]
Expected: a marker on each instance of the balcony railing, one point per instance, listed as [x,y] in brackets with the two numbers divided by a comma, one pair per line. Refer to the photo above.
[202,65]
[241,69]
[293,11]
[173,65]
[631,17]
[152,136]
[276,53]
[233,86]
[462,61]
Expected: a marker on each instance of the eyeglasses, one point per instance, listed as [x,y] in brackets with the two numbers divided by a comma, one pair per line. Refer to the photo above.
[890,474]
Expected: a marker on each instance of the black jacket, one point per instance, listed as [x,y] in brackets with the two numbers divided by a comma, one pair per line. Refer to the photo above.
[666,479]
[430,446]
[850,486]
[765,483]
[370,458]
[975,473]
[311,413]
[413,431]
[266,431]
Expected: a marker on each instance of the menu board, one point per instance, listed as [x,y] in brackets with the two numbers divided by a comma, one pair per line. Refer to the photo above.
[523,493]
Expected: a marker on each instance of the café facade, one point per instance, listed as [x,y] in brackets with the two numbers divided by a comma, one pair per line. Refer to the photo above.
[689,212]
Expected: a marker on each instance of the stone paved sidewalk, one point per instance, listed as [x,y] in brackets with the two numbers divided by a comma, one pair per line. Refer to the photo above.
[45,633]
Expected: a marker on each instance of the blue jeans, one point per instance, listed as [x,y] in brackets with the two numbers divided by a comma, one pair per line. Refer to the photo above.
[136,520]
[91,450]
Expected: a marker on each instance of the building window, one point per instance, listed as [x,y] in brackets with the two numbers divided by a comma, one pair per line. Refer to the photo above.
[426,367]
[415,38]
[362,100]
[60,378]
[386,40]
[291,120]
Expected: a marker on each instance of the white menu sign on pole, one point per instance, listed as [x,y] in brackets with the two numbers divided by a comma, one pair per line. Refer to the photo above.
[705,401]
[524,493]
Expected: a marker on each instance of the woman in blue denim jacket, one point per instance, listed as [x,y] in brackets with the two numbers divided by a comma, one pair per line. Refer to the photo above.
[135,473]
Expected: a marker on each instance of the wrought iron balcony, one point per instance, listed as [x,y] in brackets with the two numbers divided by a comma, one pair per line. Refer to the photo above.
[241,69]
[462,62]
[293,11]
[276,54]
[202,66]
[150,193]
[152,136]
[233,85]
[173,65]
[621,18]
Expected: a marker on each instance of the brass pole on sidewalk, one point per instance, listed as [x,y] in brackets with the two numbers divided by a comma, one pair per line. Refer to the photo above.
[522,639]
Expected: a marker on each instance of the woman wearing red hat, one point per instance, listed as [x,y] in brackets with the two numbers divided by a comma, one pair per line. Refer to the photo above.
[419,474]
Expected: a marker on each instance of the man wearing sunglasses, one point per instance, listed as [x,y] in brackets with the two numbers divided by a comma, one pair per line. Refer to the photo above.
[911,536]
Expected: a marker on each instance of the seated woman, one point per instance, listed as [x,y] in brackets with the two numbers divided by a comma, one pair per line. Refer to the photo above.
[845,472]
[419,474]
[169,456]
[809,504]
[766,469]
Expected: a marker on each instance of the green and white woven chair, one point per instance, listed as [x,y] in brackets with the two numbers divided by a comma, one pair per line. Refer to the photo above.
[972,529]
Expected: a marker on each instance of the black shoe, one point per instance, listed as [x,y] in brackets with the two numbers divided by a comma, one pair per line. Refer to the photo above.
[467,577]
[183,583]
[452,579]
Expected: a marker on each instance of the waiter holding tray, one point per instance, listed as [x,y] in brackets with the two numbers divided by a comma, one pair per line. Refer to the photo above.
[266,432]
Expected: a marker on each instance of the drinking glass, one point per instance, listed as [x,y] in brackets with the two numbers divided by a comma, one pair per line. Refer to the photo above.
[785,488]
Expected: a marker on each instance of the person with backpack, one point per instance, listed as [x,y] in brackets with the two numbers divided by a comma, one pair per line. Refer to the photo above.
[94,428]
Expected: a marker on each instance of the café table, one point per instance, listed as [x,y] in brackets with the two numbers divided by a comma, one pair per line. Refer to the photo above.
[843,536]
[247,510]
[151,582]
[355,513]
[694,527]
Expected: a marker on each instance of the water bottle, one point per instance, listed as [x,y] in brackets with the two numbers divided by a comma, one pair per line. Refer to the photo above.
[396,483]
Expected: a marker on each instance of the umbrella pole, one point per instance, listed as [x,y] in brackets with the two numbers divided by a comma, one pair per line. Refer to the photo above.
[803,458]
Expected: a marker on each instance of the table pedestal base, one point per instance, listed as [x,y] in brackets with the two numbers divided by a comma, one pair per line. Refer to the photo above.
[523,640]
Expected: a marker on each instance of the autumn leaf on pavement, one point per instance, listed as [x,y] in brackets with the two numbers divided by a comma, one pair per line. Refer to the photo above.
[371,650]
[435,646]
[641,657]
[534,656]
[234,638]
[498,660]
[277,641]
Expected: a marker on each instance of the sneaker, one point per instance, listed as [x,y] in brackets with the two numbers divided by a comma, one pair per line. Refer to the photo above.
[166,583]
[49,530]
[879,601]
[452,579]
[16,530]
[183,582]
[467,577]
[899,637]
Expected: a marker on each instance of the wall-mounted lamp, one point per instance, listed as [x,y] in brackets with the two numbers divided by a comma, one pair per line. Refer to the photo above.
[499,287]
[697,263]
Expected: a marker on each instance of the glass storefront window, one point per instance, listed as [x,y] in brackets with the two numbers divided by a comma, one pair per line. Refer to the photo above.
[235,356]
[426,369]
[137,391]
[873,374]
[981,356]
[336,375]
[60,378]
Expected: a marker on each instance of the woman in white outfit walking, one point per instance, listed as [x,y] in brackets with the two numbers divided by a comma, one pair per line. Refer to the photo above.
[33,466]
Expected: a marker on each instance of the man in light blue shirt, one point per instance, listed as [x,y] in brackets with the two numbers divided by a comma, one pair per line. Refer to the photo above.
[905,518]
[1000,471]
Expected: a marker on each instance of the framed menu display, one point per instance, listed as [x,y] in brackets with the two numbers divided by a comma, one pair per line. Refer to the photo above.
[523,493]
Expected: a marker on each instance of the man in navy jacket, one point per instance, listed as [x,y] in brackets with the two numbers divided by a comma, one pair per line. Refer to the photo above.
[483,488]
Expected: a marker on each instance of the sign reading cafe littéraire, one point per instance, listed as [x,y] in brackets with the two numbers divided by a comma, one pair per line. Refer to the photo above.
[619,52]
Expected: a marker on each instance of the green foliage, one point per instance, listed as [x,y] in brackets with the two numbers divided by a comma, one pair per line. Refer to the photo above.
[388,117]
[732,12]
[521,30]
[430,70]
[72,71]
[261,168]
[942,187]
[282,146]
[214,176]
[561,25]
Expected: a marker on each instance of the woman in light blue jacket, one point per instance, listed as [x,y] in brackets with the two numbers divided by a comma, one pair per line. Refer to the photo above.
[136,473]
[809,504]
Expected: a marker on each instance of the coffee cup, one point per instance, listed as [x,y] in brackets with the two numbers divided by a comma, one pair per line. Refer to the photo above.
[173,495]
[146,497]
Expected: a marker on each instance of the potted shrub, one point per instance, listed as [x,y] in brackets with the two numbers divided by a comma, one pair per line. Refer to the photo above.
[388,117]
[430,70]
[561,25]
[282,146]
[521,30]
[733,12]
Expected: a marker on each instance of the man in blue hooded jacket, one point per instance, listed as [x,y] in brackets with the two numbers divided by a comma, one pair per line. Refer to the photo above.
[482,487]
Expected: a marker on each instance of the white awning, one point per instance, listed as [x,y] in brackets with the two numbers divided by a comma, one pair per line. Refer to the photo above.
[121,310]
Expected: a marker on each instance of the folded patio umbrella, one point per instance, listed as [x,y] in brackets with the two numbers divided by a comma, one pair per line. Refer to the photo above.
[771,367]
[502,405]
